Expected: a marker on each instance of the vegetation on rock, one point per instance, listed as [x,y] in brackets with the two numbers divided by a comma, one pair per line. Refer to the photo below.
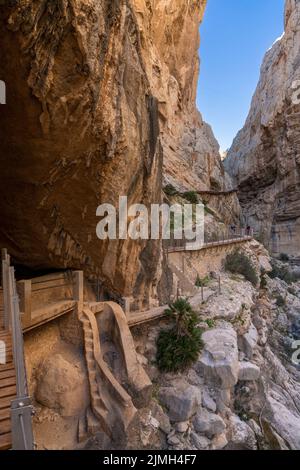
[191,197]
[179,347]
[239,263]
[283,273]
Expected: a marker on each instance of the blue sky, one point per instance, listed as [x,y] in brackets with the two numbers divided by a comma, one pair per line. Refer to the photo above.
[235,35]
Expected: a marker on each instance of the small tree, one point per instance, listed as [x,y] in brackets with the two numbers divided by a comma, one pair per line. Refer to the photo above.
[201,283]
[238,263]
[198,282]
[179,347]
[284,257]
[191,196]
[169,190]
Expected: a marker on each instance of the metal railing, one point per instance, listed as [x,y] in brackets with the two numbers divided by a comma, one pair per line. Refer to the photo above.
[214,239]
[21,407]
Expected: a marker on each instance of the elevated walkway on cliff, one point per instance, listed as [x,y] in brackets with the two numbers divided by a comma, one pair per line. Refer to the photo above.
[234,238]
[15,404]
[227,192]
[118,383]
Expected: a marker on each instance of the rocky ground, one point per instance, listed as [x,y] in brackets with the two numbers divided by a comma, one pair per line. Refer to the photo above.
[243,392]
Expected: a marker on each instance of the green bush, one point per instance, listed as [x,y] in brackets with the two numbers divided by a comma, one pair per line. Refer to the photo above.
[280,301]
[202,282]
[208,210]
[210,322]
[239,263]
[169,190]
[179,347]
[283,273]
[263,280]
[191,197]
[292,291]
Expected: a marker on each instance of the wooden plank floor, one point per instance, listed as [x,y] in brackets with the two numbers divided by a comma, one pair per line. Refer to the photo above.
[1,310]
[7,385]
[139,318]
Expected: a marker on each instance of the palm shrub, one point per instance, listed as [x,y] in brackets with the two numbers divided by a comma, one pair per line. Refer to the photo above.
[202,282]
[169,190]
[263,279]
[238,263]
[284,257]
[191,197]
[280,301]
[178,348]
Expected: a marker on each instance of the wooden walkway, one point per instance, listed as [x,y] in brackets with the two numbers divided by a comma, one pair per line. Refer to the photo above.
[217,193]
[7,384]
[208,245]
[45,298]
[135,319]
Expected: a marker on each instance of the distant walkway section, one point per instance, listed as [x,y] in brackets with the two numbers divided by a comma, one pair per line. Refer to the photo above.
[211,241]
[217,193]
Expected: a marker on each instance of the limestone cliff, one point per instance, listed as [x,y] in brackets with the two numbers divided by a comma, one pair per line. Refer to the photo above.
[170,42]
[265,156]
[99,94]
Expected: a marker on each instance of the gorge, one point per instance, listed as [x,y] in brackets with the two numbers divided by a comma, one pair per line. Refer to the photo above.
[101,104]
[264,157]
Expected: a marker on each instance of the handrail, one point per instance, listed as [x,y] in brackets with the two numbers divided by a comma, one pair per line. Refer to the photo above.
[17,335]
[232,237]
[21,408]
[217,193]
[5,266]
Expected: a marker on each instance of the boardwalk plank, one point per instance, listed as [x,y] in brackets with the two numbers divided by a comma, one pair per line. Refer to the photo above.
[5,441]
[8,391]
[4,414]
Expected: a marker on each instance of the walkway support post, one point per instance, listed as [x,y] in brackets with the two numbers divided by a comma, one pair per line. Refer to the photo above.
[24,288]
[21,407]
[78,289]
[5,278]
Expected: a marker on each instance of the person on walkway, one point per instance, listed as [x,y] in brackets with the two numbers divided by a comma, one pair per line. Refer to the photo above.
[233,229]
[248,231]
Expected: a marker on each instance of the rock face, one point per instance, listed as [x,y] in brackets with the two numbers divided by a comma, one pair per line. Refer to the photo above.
[219,361]
[79,129]
[208,423]
[62,386]
[264,159]
[99,94]
[182,400]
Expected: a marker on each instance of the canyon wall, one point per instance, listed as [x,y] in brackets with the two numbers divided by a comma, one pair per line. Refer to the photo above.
[100,103]
[170,42]
[264,159]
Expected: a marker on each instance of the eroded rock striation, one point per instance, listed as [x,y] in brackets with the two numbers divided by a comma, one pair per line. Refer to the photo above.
[99,94]
[265,156]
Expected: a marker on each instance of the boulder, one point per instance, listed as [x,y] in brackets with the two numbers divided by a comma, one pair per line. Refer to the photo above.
[284,421]
[163,419]
[248,341]
[242,436]
[219,442]
[183,427]
[200,442]
[208,423]
[208,402]
[173,440]
[181,400]
[62,386]
[249,371]
[219,362]
[223,401]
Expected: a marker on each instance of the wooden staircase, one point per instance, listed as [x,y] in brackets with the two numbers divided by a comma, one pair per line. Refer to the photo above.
[7,384]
